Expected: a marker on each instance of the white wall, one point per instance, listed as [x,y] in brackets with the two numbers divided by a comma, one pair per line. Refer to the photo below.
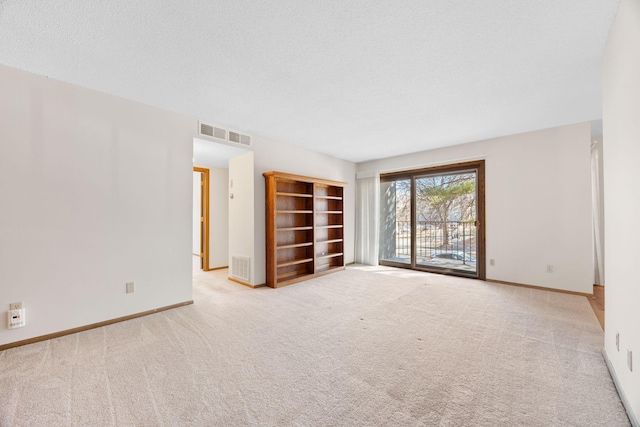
[241,209]
[538,203]
[597,197]
[95,191]
[218,217]
[621,121]
[197,212]
[275,156]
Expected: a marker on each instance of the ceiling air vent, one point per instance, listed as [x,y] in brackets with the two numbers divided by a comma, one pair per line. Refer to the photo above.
[213,132]
[239,138]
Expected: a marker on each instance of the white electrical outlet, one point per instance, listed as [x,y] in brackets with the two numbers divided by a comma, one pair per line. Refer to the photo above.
[630,359]
[492,261]
[130,287]
[16,318]
[549,268]
[618,341]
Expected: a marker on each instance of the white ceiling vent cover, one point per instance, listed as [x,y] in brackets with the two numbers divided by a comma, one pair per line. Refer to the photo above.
[239,138]
[212,131]
[240,267]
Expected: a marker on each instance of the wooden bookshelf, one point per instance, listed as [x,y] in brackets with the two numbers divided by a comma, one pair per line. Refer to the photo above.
[305,222]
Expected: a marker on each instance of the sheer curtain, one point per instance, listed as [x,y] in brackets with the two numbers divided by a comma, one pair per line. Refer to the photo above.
[367,217]
[597,213]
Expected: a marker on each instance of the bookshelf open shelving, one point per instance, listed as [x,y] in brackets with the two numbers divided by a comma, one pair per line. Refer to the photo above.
[305,227]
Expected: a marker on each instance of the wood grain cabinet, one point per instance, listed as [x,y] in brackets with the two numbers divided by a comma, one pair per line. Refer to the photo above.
[305,227]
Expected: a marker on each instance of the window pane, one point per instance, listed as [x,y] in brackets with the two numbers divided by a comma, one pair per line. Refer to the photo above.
[395,221]
[445,221]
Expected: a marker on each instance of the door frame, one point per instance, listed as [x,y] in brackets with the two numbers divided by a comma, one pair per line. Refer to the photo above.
[479,167]
[204,217]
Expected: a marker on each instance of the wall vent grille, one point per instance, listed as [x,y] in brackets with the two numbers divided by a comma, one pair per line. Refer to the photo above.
[239,138]
[214,132]
[240,266]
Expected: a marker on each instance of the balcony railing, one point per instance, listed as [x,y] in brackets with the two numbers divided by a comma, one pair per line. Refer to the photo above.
[436,237]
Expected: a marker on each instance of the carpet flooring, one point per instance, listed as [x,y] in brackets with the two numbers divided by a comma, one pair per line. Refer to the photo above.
[370,346]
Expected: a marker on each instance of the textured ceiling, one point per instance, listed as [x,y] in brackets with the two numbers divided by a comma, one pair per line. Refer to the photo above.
[355,79]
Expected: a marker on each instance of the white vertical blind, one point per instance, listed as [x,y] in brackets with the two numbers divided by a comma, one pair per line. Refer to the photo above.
[367,217]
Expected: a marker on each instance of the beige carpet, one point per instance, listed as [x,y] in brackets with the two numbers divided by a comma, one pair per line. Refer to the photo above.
[364,347]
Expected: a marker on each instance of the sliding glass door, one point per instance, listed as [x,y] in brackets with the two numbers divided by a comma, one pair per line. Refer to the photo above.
[433,219]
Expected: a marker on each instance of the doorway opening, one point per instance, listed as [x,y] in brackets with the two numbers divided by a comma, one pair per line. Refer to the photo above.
[214,230]
[433,219]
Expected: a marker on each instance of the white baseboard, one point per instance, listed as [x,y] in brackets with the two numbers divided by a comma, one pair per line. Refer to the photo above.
[623,397]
